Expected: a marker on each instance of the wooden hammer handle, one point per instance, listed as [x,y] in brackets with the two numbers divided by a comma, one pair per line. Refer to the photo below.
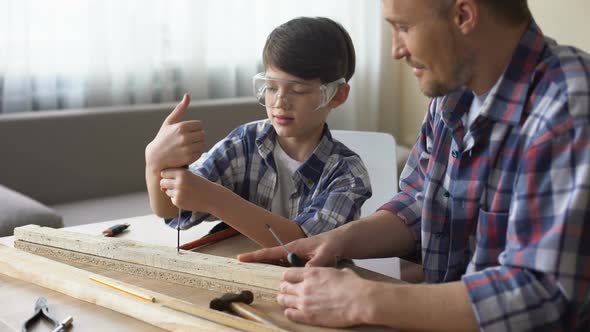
[251,313]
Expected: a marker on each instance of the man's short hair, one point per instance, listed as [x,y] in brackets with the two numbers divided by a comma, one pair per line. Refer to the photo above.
[509,11]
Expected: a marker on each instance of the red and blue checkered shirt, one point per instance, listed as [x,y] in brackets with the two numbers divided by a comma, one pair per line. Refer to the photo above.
[504,205]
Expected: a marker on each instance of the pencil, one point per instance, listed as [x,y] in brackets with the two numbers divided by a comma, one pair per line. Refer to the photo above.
[123,289]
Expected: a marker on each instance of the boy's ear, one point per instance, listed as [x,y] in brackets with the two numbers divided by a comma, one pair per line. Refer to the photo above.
[340,96]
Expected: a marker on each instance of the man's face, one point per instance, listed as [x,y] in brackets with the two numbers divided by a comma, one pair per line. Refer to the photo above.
[428,40]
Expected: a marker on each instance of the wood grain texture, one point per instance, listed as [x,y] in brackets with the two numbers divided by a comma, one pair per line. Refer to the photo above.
[144,271]
[151,260]
[168,313]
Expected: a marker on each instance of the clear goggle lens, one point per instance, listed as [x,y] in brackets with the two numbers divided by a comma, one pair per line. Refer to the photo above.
[269,90]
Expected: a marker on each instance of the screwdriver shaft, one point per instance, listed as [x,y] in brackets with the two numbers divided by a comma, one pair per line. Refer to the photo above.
[277,238]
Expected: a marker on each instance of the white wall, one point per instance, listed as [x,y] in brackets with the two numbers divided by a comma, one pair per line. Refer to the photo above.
[564,20]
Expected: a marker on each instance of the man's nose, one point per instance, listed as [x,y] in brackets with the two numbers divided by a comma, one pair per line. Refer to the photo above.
[398,48]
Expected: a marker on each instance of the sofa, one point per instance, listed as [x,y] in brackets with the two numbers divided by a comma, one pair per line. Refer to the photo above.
[72,167]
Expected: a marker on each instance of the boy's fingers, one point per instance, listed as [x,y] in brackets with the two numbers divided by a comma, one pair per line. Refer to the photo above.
[176,115]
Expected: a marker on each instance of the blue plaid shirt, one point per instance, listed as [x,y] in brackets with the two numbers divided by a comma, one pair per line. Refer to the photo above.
[504,204]
[331,185]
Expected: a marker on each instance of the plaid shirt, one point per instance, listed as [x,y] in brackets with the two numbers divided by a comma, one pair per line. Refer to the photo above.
[504,205]
[331,185]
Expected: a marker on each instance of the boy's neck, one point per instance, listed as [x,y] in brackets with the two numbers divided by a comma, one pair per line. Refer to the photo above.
[300,148]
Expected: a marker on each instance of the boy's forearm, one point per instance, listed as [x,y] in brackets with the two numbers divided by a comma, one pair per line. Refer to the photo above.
[159,201]
[439,307]
[250,219]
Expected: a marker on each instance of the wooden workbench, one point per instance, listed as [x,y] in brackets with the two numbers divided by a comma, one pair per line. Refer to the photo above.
[17,298]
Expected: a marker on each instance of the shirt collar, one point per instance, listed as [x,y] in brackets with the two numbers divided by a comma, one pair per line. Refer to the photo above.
[311,170]
[505,102]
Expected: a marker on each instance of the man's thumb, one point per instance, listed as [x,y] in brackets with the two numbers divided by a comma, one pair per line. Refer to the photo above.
[176,115]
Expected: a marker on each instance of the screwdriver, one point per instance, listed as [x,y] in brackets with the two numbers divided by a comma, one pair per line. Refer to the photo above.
[178,225]
[115,230]
[292,257]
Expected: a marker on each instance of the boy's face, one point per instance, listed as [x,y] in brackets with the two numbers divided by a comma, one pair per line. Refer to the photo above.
[292,105]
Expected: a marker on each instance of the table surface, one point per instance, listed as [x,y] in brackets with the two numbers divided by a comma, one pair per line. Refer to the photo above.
[17,298]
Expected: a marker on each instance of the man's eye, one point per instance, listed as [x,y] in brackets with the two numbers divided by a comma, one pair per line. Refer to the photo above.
[401,28]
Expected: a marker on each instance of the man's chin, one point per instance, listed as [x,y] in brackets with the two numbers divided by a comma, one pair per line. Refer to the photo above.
[436,89]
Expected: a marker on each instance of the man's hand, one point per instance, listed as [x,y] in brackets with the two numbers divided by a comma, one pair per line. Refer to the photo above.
[325,296]
[319,250]
[178,142]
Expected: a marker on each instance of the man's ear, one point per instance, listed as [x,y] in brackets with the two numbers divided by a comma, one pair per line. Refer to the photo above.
[466,15]
[340,96]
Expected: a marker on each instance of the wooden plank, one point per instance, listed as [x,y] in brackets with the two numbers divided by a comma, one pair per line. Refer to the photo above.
[219,272]
[180,278]
[167,312]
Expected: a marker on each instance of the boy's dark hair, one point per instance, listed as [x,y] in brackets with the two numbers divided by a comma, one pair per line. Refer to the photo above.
[311,48]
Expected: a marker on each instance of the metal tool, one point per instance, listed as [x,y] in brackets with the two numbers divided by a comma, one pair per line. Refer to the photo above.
[64,324]
[115,230]
[178,225]
[178,231]
[42,312]
[240,304]
[292,257]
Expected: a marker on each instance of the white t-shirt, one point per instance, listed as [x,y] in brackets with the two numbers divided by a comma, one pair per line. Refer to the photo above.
[475,109]
[286,167]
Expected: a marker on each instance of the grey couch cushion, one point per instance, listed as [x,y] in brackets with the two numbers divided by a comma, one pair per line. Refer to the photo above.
[17,210]
[105,208]
[71,155]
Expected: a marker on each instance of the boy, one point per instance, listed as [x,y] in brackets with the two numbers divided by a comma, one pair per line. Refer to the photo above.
[285,171]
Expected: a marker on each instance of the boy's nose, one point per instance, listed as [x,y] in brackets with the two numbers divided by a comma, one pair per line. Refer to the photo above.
[281,101]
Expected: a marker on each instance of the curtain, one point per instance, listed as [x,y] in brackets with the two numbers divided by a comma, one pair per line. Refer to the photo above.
[63,54]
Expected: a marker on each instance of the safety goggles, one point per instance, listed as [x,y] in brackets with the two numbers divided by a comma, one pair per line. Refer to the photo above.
[269,91]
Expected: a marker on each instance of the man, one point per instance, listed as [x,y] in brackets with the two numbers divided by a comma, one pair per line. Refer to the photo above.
[495,193]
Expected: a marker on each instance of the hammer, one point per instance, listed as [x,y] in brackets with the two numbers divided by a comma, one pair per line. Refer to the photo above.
[239,304]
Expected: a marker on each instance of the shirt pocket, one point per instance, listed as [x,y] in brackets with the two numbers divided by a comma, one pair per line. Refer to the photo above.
[491,238]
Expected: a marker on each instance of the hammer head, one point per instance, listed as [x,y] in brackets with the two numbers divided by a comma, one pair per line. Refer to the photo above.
[223,303]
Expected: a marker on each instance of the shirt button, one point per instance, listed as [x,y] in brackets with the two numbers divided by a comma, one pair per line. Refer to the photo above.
[455,154]
[446,194]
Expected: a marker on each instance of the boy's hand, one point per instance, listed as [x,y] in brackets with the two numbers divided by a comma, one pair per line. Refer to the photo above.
[319,250]
[178,142]
[186,190]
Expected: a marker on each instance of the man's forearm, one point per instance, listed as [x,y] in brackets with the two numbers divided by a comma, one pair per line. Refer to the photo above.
[395,238]
[439,307]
